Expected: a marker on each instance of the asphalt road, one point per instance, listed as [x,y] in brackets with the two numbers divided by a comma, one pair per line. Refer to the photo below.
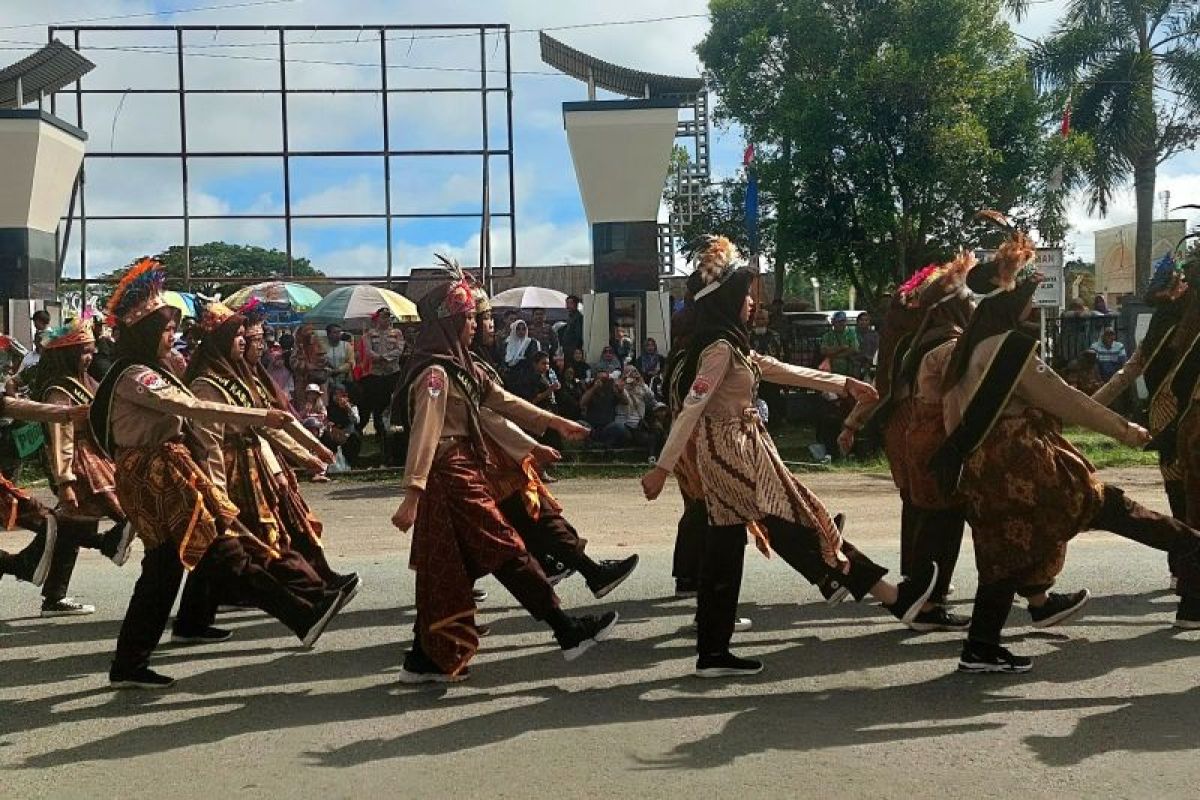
[850,704]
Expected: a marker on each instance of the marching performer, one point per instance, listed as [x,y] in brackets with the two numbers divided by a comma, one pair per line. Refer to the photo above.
[746,484]
[81,475]
[242,465]
[1028,491]
[521,495]
[18,508]
[459,534]
[143,416]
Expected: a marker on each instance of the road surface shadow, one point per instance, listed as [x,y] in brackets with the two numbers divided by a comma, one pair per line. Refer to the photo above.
[513,692]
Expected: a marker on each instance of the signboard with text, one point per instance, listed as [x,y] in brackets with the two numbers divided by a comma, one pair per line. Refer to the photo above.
[1049,262]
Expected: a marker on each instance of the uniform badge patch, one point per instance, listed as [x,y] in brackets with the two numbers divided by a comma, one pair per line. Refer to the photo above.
[700,388]
[152,381]
[435,384]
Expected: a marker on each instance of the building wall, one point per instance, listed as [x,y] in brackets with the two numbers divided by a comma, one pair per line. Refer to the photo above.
[1115,249]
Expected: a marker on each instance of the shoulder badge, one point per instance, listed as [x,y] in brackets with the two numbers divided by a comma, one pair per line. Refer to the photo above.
[435,383]
[700,388]
[152,381]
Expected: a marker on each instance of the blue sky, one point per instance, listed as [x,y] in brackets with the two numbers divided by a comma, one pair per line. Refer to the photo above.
[550,224]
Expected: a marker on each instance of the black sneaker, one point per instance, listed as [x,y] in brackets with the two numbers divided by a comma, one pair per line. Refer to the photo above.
[1059,608]
[686,587]
[584,632]
[209,635]
[325,611]
[117,543]
[833,587]
[479,595]
[66,607]
[939,619]
[979,657]
[144,678]
[1188,616]
[557,572]
[726,665]
[610,575]
[419,668]
[347,587]
[914,592]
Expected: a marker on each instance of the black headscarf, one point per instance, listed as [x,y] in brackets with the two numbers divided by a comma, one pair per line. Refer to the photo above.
[716,317]
[996,314]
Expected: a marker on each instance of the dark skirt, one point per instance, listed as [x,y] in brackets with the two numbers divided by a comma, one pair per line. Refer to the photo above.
[170,500]
[460,536]
[1028,492]
[251,488]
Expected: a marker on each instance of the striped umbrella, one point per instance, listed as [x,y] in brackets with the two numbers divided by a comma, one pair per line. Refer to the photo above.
[293,296]
[350,305]
[184,301]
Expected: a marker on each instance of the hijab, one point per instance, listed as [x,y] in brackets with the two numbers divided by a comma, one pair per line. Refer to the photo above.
[212,356]
[996,313]
[717,318]
[517,343]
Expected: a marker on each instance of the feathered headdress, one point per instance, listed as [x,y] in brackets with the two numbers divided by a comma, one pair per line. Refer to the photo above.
[716,259]
[139,293]
[460,298]
[213,314]
[254,312]
[937,283]
[1011,264]
[74,332]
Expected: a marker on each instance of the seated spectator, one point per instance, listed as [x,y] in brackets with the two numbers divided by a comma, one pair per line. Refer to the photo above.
[608,363]
[519,345]
[1110,354]
[570,395]
[539,387]
[277,368]
[651,362]
[578,363]
[311,412]
[310,366]
[342,430]
[635,409]
[599,404]
[839,346]
[542,331]
[621,345]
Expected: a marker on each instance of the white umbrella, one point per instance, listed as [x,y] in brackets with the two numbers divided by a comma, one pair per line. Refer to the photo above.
[529,297]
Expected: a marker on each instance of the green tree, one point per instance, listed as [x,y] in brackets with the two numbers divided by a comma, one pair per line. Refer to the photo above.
[881,127]
[214,262]
[1130,71]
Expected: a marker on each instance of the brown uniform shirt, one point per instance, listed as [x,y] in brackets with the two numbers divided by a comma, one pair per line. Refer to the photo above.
[148,410]
[724,388]
[441,416]
[1038,386]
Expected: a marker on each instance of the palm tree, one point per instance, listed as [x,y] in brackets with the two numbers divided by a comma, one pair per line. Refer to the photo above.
[1130,70]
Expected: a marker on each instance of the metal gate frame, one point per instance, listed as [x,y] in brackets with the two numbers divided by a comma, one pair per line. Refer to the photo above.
[486,153]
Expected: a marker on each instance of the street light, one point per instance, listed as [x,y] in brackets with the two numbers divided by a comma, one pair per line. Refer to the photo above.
[816,286]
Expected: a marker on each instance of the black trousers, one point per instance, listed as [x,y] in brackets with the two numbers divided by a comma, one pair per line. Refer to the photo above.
[525,581]
[937,537]
[798,545]
[72,535]
[206,589]
[1122,516]
[550,536]
[690,541]
[229,569]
